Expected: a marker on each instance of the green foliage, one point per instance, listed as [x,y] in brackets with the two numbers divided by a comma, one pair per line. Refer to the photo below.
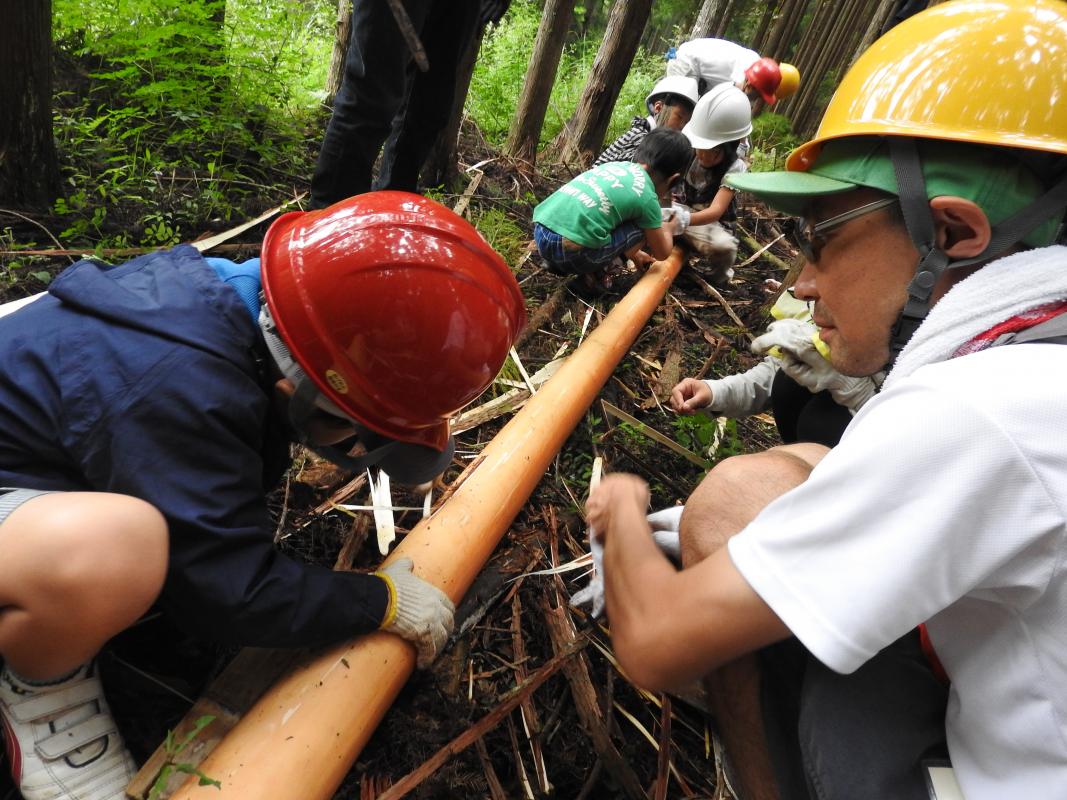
[772,140]
[173,748]
[694,432]
[503,62]
[503,234]
[700,433]
[180,108]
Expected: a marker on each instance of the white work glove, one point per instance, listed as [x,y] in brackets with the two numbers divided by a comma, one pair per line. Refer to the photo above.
[593,594]
[679,215]
[418,611]
[802,362]
[664,526]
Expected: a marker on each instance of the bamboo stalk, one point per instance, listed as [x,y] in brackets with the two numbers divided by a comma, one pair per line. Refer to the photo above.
[316,721]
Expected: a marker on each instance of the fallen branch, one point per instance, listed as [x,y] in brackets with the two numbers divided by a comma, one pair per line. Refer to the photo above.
[465,199]
[707,287]
[563,635]
[476,731]
[655,435]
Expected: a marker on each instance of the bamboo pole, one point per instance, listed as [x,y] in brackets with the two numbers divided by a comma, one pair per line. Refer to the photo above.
[302,736]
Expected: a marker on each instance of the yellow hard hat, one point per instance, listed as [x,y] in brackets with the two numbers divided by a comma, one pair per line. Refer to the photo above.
[983,71]
[790,81]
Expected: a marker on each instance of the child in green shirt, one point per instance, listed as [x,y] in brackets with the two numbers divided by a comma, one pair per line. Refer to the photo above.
[613,210]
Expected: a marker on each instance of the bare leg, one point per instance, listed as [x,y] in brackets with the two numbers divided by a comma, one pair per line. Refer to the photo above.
[75,569]
[732,494]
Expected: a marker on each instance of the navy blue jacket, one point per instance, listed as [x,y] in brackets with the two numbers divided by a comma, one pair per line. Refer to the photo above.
[144,379]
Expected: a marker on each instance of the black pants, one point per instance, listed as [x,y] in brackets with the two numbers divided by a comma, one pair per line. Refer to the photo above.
[384,94]
[845,737]
[802,416]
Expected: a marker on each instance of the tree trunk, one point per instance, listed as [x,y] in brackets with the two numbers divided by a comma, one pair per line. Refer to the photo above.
[583,135]
[723,22]
[342,29]
[769,12]
[837,48]
[709,14]
[881,16]
[592,14]
[781,39]
[441,165]
[529,118]
[29,173]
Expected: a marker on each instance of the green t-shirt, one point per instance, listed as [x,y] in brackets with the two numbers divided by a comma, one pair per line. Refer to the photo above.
[591,206]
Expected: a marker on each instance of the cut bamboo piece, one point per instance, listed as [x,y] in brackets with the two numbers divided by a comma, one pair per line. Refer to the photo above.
[309,728]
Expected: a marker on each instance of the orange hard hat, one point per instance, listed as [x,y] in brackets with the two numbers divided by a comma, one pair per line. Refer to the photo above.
[764,76]
[395,307]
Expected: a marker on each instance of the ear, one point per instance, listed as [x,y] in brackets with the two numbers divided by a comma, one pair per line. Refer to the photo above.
[962,228]
[657,106]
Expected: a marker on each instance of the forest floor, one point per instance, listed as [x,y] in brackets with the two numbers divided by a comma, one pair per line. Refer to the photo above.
[586,732]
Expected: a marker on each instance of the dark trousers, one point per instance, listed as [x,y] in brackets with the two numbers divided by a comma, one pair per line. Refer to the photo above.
[843,737]
[383,94]
[803,416]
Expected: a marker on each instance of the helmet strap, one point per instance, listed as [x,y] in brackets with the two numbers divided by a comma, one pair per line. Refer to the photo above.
[911,191]
[933,261]
[302,405]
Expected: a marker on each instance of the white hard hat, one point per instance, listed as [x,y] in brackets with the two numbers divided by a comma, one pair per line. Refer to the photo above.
[674,84]
[724,114]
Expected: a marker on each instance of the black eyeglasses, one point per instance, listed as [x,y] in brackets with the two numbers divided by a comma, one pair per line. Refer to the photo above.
[810,239]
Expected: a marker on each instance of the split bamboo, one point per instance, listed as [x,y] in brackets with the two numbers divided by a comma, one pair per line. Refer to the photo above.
[302,736]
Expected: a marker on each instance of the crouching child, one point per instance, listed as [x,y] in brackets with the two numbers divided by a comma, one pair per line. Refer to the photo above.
[703,203]
[612,212]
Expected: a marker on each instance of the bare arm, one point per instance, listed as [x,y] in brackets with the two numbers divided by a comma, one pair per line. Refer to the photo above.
[715,210]
[671,627]
[660,241]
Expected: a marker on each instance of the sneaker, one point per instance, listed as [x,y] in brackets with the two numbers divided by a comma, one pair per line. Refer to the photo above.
[61,741]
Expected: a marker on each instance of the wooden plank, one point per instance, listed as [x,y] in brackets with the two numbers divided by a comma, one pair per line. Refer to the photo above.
[227,697]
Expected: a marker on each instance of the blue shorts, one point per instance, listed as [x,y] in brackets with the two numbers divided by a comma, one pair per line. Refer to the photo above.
[579,261]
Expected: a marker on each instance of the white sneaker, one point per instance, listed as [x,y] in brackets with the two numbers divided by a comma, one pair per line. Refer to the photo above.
[61,741]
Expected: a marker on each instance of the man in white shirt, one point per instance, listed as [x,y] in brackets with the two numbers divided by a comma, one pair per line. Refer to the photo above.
[927,216]
[712,62]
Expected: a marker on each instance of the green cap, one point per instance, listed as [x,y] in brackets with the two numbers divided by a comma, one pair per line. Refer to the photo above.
[994,179]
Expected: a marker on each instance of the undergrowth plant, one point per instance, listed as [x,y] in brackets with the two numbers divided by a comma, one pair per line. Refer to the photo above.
[173,748]
[772,140]
[188,109]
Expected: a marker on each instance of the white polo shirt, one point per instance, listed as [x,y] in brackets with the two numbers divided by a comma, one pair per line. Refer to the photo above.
[945,503]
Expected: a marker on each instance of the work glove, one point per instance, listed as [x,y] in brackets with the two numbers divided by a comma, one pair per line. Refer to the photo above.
[679,215]
[418,611]
[664,526]
[802,361]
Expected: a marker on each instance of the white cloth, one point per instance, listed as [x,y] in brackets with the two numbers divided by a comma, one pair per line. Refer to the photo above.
[714,61]
[998,291]
[945,502]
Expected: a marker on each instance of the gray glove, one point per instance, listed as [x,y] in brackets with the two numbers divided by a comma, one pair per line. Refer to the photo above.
[664,532]
[418,611]
[802,362]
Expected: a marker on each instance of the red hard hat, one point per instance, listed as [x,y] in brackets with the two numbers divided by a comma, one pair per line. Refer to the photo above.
[764,76]
[395,307]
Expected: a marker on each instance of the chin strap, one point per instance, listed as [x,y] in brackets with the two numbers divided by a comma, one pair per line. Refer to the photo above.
[933,261]
[302,405]
[307,400]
